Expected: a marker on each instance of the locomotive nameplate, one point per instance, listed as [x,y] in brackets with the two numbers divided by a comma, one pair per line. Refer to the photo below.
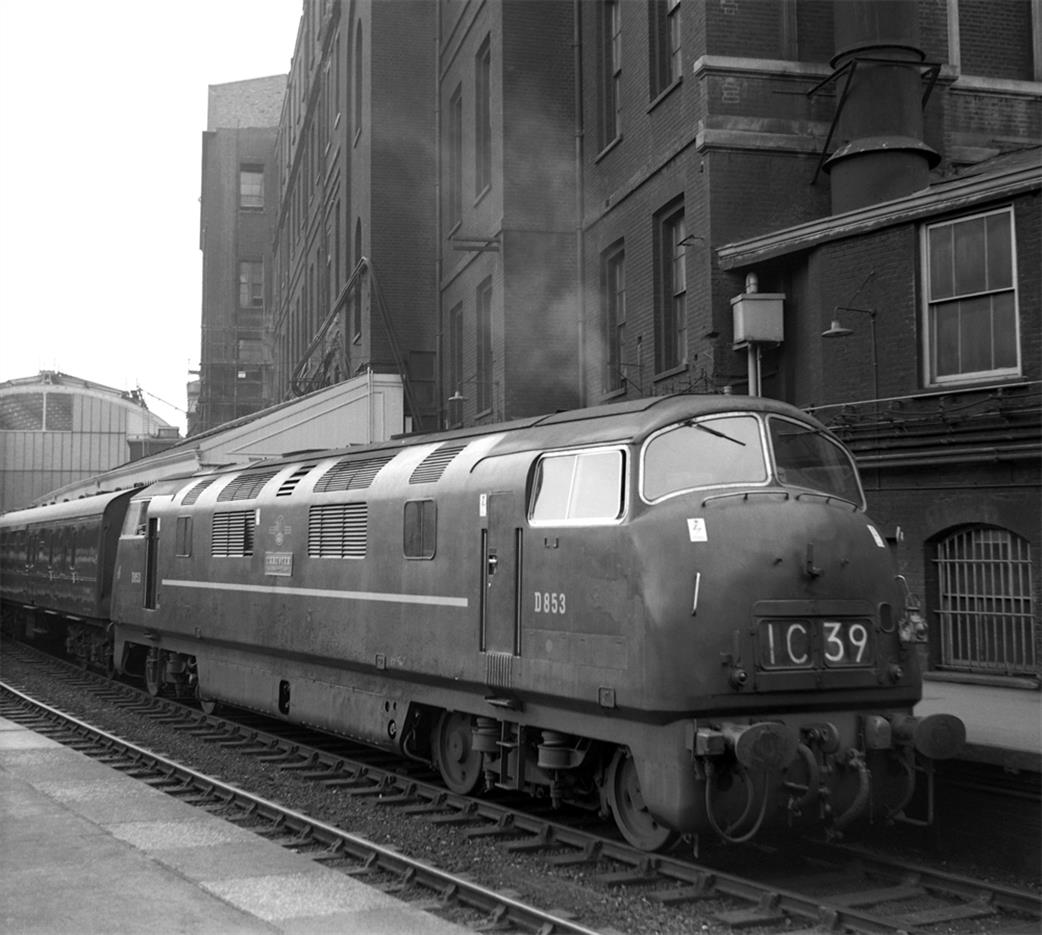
[279,564]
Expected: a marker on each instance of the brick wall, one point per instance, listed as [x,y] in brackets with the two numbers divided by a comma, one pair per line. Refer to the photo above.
[995,39]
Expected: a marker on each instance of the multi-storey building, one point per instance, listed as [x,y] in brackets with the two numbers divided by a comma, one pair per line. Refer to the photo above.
[526,205]
[238,205]
[354,248]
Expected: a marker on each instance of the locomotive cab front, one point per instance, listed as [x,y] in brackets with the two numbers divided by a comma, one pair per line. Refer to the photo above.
[777,622]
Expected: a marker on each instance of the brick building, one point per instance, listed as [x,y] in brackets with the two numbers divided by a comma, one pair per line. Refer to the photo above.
[238,204]
[354,248]
[526,205]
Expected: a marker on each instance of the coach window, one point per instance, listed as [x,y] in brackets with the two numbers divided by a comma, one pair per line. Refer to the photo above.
[136,522]
[183,536]
[420,523]
[579,488]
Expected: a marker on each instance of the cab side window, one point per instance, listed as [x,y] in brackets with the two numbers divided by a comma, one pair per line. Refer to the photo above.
[136,522]
[578,487]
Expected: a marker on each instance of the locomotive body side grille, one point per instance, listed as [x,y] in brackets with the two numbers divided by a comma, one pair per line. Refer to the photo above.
[290,483]
[231,534]
[352,474]
[498,669]
[433,466]
[245,486]
[338,530]
[196,491]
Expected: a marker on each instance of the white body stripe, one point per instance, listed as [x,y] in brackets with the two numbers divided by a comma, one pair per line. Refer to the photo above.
[433,600]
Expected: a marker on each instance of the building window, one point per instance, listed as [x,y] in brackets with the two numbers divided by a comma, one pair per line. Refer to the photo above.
[484,346]
[613,303]
[251,284]
[358,82]
[483,118]
[972,328]
[356,325]
[336,83]
[454,355]
[664,42]
[251,187]
[671,289]
[456,158]
[984,610]
[610,46]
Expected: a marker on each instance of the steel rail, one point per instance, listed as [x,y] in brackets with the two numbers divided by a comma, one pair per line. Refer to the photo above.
[447,886]
[686,880]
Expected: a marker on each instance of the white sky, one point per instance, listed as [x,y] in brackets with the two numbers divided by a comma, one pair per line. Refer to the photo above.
[102,109]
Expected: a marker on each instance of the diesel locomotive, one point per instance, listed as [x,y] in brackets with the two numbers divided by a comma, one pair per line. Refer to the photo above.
[673,610]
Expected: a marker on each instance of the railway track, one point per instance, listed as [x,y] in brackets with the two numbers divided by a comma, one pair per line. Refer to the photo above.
[819,888]
[391,871]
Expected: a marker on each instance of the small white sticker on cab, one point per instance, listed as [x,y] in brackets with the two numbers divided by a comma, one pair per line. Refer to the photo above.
[696,529]
[878,538]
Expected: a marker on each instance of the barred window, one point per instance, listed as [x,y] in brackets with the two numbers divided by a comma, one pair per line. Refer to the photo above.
[984,607]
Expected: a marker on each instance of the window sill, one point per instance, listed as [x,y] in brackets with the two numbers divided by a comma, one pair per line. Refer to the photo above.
[664,93]
[607,149]
[671,372]
[983,381]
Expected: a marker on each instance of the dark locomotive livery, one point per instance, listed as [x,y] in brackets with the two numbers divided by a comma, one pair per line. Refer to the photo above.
[674,610]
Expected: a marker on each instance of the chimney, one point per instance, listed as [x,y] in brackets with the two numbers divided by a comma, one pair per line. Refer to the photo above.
[880,128]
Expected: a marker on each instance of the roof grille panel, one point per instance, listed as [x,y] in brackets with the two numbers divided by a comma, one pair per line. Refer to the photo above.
[352,473]
[433,466]
[245,486]
[195,492]
[231,534]
[290,483]
[338,530]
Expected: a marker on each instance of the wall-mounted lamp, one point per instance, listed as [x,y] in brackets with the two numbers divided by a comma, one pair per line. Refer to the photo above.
[836,330]
[492,385]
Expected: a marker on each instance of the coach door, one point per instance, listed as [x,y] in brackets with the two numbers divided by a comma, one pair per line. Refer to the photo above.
[501,547]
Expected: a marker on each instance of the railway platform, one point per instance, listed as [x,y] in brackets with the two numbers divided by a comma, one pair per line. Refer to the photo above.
[85,849]
[1003,725]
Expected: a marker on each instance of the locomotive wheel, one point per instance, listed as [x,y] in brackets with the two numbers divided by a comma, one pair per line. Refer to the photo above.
[452,745]
[632,817]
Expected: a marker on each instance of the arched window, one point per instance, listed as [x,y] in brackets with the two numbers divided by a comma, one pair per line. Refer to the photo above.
[983,601]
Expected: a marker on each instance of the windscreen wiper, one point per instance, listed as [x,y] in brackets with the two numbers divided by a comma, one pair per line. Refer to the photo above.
[718,434]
